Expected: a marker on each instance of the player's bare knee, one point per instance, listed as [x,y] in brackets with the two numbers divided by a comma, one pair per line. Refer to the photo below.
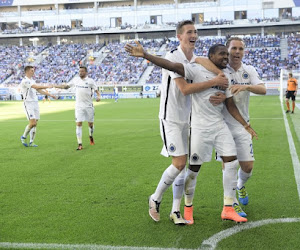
[228,158]
[246,166]
[179,162]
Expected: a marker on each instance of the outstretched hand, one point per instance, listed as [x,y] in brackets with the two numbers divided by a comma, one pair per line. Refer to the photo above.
[53,96]
[251,131]
[137,51]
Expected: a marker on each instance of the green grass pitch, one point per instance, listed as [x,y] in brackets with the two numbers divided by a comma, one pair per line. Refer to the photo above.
[55,194]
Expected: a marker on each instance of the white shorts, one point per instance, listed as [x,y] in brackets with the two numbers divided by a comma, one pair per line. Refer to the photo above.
[84,114]
[175,138]
[32,110]
[243,143]
[204,140]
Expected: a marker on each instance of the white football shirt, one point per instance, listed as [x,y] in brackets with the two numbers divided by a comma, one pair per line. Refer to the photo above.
[245,75]
[84,91]
[174,106]
[204,114]
[29,94]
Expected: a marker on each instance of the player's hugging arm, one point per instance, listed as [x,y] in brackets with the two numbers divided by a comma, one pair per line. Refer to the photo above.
[233,110]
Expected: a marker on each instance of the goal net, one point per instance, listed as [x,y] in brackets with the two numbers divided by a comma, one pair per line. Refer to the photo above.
[284,75]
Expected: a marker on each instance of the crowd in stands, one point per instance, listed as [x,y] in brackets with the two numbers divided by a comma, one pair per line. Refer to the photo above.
[119,68]
[59,63]
[217,22]
[12,59]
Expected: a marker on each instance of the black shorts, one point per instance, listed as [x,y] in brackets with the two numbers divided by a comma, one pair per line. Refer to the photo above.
[291,94]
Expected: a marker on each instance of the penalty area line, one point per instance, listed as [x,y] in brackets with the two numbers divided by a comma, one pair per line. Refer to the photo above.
[213,241]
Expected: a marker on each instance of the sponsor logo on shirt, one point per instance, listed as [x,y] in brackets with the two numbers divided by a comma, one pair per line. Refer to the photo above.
[233,82]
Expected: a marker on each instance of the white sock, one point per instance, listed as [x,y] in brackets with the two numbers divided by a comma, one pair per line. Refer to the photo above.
[243,178]
[26,132]
[32,134]
[165,182]
[79,134]
[178,187]
[190,186]
[91,131]
[230,181]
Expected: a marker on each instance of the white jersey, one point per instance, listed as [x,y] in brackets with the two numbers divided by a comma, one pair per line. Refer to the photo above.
[204,114]
[29,93]
[174,106]
[245,75]
[84,91]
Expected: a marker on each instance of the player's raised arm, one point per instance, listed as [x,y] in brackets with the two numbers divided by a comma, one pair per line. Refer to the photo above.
[233,110]
[138,51]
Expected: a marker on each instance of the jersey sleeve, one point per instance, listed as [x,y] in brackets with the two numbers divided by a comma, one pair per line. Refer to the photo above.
[171,57]
[254,77]
[190,70]
[93,84]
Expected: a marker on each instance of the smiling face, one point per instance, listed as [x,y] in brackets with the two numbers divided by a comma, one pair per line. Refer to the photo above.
[187,36]
[236,51]
[220,57]
[29,72]
[82,72]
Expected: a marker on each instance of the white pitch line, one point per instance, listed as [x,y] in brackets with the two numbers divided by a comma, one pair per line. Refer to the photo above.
[293,152]
[213,241]
[11,245]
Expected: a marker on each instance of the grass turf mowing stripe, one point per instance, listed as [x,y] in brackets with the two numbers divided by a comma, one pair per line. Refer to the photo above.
[11,245]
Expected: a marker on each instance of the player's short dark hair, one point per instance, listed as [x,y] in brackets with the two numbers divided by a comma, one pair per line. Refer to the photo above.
[213,49]
[234,38]
[83,67]
[28,68]
[180,25]
[291,74]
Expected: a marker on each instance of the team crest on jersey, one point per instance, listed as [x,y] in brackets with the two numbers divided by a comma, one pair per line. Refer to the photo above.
[195,157]
[172,148]
[245,75]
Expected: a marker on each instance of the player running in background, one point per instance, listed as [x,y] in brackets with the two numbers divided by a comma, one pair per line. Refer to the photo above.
[84,109]
[174,118]
[291,92]
[116,93]
[29,90]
